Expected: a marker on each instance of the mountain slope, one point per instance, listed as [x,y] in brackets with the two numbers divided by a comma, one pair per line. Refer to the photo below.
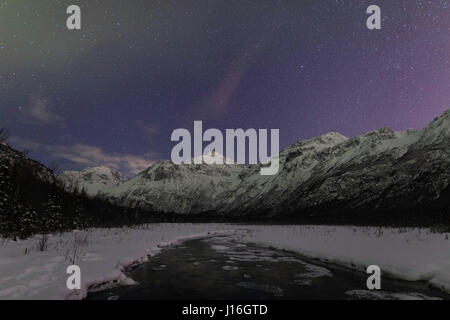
[92,180]
[379,173]
[10,157]
[184,189]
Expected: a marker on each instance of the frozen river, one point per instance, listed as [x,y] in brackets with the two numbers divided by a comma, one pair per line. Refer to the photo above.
[222,267]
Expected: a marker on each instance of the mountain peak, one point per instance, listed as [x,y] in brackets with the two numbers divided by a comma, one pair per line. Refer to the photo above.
[438,130]
[325,140]
[446,113]
[333,137]
[212,158]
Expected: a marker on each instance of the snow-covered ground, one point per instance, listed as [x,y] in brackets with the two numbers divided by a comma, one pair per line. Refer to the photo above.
[28,273]
[407,254]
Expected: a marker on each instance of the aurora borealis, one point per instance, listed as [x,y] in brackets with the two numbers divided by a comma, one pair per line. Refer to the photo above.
[112,92]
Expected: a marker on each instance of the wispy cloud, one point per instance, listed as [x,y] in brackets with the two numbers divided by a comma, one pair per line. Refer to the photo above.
[40,111]
[91,156]
[150,129]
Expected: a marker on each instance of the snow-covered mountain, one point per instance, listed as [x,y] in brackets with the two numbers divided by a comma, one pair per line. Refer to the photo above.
[93,180]
[380,171]
[185,188]
[330,175]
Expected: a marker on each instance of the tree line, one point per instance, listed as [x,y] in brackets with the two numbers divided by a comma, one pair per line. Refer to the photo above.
[31,205]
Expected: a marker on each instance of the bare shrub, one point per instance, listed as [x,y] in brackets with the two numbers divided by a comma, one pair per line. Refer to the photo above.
[79,245]
[42,244]
[53,167]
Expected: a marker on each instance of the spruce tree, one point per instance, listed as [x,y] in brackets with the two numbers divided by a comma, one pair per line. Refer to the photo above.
[52,218]
[28,222]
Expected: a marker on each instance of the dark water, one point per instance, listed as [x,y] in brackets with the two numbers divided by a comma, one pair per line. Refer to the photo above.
[223,268]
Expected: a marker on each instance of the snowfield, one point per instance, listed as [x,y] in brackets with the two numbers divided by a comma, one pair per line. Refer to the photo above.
[402,253]
[102,255]
[26,272]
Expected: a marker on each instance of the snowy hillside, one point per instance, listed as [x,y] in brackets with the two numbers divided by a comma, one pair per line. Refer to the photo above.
[380,171]
[164,186]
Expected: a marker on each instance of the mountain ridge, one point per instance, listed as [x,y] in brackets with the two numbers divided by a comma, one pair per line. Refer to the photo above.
[379,170]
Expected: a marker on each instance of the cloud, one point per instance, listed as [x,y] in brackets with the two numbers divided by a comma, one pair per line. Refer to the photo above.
[150,129]
[41,112]
[92,156]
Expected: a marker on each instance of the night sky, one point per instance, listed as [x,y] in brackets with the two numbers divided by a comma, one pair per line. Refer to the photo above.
[113,92]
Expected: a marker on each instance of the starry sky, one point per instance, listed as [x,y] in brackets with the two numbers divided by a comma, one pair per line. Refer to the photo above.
[113,92]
